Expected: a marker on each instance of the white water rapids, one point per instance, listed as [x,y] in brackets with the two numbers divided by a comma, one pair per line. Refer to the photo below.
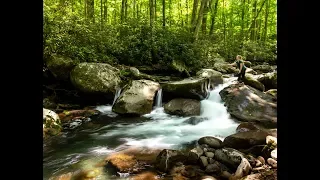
[166,131]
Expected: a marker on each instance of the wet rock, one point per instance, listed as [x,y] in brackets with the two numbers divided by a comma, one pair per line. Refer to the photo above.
[211,141]
[194,154]
[51,123]
[167,159]
[243,140]
[213,168]
[67,116]
[243,169]
[248,104]
[246,126]
[211,161]
[225,175]
[267,175]
[228,156]
[209,154]
[258,163]
[274,154]
[255,150]
[251,160]
[122,163]
[183,107]
[195,120]
[253,82]
[270,140]
[261,159]
[145,176]
[204,161]
[272,162]
[136,98]
[207,178]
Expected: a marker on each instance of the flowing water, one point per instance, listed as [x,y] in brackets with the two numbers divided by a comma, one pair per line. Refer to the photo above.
[109,133]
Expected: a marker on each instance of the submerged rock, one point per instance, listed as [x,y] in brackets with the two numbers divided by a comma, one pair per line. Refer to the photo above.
[136,98]
[195,120]
[183,107]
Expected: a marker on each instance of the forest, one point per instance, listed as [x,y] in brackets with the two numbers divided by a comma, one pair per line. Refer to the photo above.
[151,89]
[175,34]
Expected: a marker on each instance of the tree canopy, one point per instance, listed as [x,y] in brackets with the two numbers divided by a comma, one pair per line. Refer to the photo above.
[187,34]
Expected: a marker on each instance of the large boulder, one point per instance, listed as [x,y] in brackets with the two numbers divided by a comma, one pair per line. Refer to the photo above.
[60,66]
[269,80]
[215,77]
[192,88]
[224,68]
[248,104]
[96,78]
[243,140]
[51,123]
[183,107]
[136,98]
[272,92]
[264,68]
[230,157]
[251,81]
[168,158]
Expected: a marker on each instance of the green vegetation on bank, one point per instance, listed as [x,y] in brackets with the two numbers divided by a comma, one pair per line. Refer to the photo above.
[184,35]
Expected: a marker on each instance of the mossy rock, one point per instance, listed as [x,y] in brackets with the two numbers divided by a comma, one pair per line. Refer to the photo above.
[251,81]
[60,66]
[100,78]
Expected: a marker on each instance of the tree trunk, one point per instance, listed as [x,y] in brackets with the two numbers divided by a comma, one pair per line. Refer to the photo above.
[101,9]
[187,16]
[265,33]
[105,12]
[126,10]
[255,18]
[134,9]
[163,13]
[254,21]
[242,18]
[155,10]
[151,10]
[200,18]
[170,12]
[180,13]
[224,20]
[123,3]
[205,15]
[90,11]
[213,16]
[194,14]
[85,9]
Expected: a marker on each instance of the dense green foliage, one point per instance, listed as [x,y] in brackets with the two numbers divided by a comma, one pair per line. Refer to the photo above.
[123,34]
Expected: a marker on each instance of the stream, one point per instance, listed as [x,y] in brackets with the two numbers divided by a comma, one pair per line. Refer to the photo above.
[108,133]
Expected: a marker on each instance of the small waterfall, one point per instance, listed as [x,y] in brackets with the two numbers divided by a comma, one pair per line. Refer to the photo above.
[159,98]
[118,92]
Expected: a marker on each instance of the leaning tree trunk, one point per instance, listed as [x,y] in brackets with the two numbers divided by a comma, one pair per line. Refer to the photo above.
[200,18]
